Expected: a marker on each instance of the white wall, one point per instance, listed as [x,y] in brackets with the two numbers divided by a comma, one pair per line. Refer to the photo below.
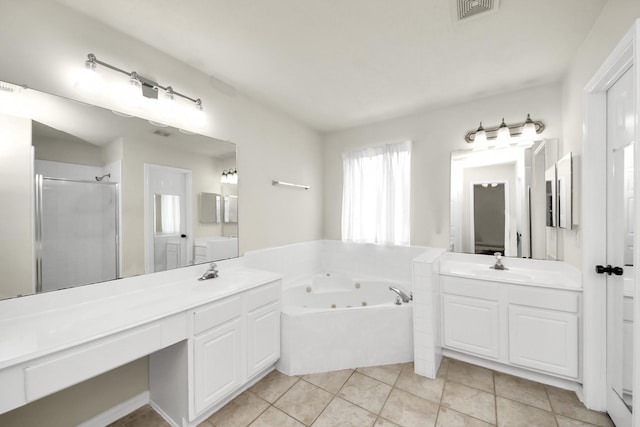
[435,134]
[616,18]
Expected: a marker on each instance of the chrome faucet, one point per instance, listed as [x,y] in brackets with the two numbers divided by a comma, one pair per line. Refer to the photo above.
[400,293]
[498,265]
[211,273]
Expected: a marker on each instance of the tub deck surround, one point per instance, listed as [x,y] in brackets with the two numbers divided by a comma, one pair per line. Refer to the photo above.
[51,341]
[426,312]
[334,321]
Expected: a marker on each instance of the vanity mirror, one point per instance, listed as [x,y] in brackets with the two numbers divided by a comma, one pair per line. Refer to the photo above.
[74,185]
[498,201]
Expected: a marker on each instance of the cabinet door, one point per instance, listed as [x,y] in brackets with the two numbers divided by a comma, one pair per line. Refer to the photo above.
[471,325]
[543,339]
[218,363]
[263,337]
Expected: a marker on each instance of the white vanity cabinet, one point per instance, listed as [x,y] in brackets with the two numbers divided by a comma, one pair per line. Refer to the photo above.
[218,350]
[543,329]
[233,340]
[526,326]
[471,317]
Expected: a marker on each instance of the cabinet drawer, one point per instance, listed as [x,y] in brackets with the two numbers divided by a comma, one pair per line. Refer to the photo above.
[263,295]
[60,371]
[550,299]
[470,287]
[216,313]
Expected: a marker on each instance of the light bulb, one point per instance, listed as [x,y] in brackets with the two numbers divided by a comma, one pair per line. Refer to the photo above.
[529,129]
[131,92]
[89,79]
[225,177]
[480,139]
[197,118]
[504,136]
[167,105]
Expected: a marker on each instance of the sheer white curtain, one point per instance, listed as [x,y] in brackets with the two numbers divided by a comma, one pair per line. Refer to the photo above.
[375,194]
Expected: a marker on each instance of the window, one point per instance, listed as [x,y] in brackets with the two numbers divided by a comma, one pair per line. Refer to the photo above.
[375,194]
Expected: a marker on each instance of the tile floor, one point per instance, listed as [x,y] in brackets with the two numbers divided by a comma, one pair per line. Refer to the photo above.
[392,395]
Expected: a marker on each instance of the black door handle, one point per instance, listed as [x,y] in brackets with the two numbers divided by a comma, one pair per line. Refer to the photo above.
[618,271]
[183,236]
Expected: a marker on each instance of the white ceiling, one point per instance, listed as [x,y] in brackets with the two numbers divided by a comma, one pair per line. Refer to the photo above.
[334,64]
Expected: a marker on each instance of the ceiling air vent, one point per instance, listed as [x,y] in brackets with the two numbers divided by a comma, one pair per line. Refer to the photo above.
[469,8]
[162,133]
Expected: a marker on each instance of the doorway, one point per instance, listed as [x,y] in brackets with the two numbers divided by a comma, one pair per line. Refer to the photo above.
[609,177]
[490,224]
[167,218]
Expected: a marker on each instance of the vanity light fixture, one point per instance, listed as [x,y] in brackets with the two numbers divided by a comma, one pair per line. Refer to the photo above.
[229,176]
[138,85]
[525,130]
[504,136]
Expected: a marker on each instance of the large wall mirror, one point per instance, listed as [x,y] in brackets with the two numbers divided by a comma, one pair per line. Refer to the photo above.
[498,201]
[91,195]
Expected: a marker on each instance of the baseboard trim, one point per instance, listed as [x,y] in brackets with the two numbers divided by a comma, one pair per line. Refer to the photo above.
[116,412]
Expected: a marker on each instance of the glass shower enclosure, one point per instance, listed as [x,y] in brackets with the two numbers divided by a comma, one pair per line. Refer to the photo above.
[77,236]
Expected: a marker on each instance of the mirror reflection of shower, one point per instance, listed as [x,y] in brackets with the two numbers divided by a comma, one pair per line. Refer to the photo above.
[77,223]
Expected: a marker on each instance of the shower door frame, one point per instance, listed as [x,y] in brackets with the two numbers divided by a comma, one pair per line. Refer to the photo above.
[39,180]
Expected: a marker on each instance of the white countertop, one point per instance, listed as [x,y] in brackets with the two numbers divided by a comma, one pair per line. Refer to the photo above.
[41,324]
[520,271]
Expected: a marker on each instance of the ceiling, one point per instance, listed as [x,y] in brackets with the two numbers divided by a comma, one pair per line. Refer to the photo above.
[334,64]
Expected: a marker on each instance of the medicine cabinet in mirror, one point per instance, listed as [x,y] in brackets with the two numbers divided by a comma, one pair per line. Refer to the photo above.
[210,204]
[88,214]
[564,191]
[499,201]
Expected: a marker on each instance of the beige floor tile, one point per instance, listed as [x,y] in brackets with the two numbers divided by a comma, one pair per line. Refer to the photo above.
[470,401]
[566,403]
[365,392]
[144,417]
[388,374]
[344,414]
[205,423]
[570,422]
[240,412]
[471,375]
[421,386]
[274,385]
[274,417]
[447,417]
[304,402]
[515,414]
[444,368]
[521,390]
[381,422]
[330,381]
[408,410]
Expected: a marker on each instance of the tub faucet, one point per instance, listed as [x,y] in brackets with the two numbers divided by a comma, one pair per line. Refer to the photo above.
[498,265]
[401,294]
[211,273]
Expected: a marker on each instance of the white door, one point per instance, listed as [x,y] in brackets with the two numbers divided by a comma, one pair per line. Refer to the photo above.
[620,230]
[167,218]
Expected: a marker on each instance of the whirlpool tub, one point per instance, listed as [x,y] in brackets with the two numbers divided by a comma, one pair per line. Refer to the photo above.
[335,321]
